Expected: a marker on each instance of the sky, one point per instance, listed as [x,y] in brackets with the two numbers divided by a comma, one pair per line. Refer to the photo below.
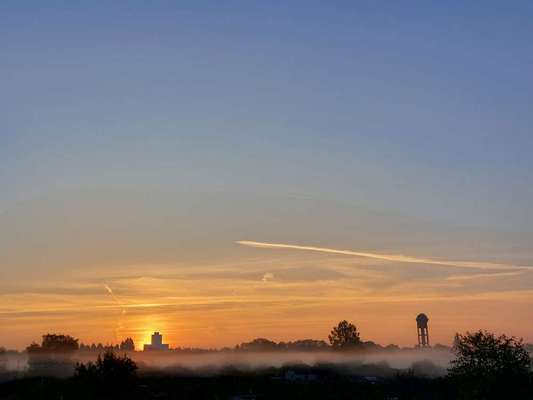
[174,166]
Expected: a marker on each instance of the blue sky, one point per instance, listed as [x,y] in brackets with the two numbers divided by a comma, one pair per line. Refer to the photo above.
[424,105]
[380,126]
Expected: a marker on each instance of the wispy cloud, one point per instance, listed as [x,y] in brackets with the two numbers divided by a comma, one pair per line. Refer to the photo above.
[268,277]
[388,257]
[483,276]
[121,305]
[113,295]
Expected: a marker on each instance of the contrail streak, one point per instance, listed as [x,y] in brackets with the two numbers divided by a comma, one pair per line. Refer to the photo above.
[110,291]
[121,304]
[483,276]
[387,257]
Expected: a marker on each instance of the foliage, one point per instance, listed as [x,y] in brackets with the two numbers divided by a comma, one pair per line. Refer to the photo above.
[52,343]
[262,344]
[2,359]
[127,345]
[483,354]
[52,357]
[108,368]
[344,336]
[487,366]
[33,348]
[307,345]
[259,344]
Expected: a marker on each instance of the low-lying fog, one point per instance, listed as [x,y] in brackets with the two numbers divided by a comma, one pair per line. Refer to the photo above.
[217,361]
[400,359]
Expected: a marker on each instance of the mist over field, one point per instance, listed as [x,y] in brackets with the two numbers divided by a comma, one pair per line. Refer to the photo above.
[212,363]
[398,360]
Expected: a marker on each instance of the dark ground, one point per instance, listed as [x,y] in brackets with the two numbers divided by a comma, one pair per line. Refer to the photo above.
[283,383]
[288,382]
[223,387]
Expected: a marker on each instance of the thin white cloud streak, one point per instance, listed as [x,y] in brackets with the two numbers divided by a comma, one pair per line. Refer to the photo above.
[115,298]
[121,305]
[387,257]
[483,276]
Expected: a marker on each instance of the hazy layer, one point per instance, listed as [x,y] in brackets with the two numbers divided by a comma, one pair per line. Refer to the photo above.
[217,361]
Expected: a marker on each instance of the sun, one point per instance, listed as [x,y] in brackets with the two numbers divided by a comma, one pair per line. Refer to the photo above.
[146,338]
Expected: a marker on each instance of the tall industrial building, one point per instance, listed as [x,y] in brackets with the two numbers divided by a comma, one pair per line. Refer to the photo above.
[157,343]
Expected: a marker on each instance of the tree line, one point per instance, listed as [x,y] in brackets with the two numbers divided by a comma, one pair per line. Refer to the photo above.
[344,336]
[485,366]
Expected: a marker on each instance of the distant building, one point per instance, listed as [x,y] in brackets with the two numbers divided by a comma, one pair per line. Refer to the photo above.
[422,329]
[157,343]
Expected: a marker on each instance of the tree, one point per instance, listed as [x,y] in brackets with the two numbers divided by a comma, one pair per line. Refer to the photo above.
[59,343]
[52,357]
[344,336]
[259,344]
[33,348]
[307,345]
[127,345]
[488,367]
[52,343]
[2,359]
[109,369]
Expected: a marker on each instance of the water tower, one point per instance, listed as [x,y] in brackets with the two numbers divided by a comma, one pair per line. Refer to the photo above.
[422,328]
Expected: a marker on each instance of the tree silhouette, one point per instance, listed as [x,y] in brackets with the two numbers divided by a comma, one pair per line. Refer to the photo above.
[127,345]
[259,344]
[33,348]
[52,357]
[489,367]
[2,359]
[344,336]
[109,369]
[59,343]
[52,343]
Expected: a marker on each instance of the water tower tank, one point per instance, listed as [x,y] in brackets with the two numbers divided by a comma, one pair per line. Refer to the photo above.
[422,330]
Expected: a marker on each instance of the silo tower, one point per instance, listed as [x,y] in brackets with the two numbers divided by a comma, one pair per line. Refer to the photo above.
[422,328]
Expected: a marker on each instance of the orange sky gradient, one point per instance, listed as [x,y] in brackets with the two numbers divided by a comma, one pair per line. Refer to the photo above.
[282,295]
